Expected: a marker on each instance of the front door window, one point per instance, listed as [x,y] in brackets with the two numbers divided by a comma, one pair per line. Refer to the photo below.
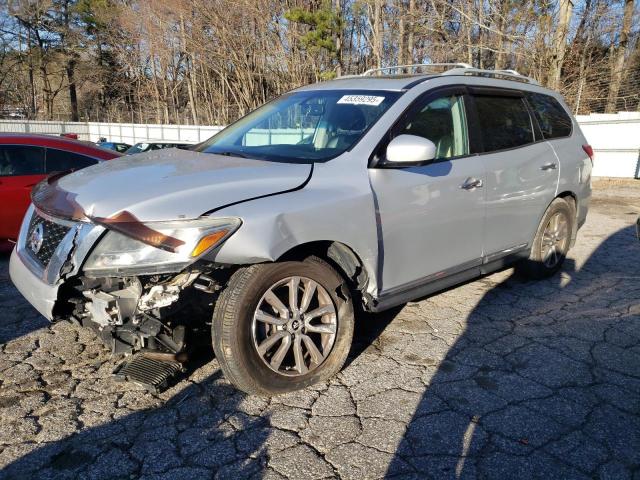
[443,122]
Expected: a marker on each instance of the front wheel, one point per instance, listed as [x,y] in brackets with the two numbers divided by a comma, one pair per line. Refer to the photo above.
[552,241]
[282,326]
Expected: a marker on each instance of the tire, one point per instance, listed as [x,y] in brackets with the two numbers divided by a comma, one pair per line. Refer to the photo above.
[540,263]
[237,335]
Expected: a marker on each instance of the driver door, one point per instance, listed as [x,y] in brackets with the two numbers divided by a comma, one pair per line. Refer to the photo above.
[431,217]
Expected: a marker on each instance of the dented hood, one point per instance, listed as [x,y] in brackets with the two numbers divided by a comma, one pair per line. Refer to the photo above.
[168,184]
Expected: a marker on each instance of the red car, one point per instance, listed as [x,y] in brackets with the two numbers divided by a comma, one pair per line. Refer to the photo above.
[25,160]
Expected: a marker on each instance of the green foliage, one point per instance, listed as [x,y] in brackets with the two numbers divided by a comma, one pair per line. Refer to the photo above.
[323,24]
[330,75]
[91,11]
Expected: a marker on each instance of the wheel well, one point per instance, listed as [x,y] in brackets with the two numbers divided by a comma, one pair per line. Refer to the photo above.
[570,197]
[338,255]
[572,200]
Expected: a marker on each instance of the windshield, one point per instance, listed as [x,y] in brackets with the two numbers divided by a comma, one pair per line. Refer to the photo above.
[303,127]
[138,147]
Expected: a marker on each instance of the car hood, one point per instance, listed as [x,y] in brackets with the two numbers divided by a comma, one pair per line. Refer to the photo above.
[175,184]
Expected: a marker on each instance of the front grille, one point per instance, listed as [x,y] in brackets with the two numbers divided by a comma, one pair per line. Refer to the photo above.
[52,235]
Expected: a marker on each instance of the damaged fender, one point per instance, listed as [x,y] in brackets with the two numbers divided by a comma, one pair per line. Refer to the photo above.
[274,225]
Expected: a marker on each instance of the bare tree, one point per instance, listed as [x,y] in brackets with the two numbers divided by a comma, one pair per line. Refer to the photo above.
[560,42]
[618,56]
[411,31]
[377,32]
[210,61]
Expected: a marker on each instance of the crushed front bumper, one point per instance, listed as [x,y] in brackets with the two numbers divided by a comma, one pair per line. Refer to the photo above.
[39,282]
[37,292]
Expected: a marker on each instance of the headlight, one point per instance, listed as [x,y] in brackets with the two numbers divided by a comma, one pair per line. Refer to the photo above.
[156,247]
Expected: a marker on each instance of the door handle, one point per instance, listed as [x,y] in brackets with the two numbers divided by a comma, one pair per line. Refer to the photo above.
[471,184]
[549,166]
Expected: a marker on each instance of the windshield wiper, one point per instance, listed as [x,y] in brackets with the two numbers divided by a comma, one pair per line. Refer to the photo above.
[231,154]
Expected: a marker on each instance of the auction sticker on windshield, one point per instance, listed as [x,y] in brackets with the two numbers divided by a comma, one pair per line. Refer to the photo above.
[361,100]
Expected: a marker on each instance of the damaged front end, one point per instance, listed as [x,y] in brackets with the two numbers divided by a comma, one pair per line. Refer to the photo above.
[168,314]
[141,286]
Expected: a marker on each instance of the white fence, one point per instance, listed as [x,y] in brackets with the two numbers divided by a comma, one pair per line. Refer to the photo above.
[615,138]
[115,132]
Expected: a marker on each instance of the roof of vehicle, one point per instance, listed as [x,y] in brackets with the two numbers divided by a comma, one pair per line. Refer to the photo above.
[62,143]
[387,82]
[398,77]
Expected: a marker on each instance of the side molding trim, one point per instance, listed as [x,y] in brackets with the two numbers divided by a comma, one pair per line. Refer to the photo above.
[446,279]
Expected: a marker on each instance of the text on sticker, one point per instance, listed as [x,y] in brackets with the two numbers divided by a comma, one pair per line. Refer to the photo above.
[361,100]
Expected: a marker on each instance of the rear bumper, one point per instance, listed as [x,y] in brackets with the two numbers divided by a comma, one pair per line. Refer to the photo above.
[38,293]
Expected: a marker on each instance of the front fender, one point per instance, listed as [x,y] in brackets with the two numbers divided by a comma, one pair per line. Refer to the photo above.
[342,211]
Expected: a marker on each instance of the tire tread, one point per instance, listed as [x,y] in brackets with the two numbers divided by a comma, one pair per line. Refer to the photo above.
[228,311]
[533,267]
[225,309]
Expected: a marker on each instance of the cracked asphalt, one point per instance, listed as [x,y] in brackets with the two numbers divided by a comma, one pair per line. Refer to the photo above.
[497,378]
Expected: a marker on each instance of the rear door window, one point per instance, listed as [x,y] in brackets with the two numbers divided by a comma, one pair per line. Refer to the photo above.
[504,122]
[18,160]
[61,161]
[552,118]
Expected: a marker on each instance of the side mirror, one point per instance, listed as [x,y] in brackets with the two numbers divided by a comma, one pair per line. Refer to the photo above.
[410,150]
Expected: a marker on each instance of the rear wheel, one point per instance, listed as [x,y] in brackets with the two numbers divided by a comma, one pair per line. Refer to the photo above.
[283,326]
[552,241]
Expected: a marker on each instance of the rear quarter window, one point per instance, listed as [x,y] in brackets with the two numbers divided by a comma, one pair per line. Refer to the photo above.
[552,118]
[504,122]
[61,161]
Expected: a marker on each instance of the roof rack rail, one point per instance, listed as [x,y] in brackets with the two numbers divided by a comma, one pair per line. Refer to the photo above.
[414,66]
[504,74]
[450,69]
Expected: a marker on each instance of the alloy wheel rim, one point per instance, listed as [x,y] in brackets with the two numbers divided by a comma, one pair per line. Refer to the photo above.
[294,326]
[554,240]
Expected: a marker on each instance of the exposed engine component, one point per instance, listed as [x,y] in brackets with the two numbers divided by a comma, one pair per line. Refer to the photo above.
[158,296]
[151,371]
[207,284]
[166,314]
[112,308]
[164,294]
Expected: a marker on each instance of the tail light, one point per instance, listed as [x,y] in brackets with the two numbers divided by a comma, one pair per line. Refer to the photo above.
[588,149]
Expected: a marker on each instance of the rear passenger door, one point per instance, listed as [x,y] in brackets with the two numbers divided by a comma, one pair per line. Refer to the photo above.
[522,170]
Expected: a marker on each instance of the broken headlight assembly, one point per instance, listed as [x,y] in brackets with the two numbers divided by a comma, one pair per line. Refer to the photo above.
[136,248]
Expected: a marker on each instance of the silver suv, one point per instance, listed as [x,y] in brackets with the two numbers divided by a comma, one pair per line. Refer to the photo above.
[361,193]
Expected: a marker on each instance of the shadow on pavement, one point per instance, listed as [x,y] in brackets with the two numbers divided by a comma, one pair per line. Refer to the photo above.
[206,429]
[368,327]
[208,423]
[200,430]
[543,383]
